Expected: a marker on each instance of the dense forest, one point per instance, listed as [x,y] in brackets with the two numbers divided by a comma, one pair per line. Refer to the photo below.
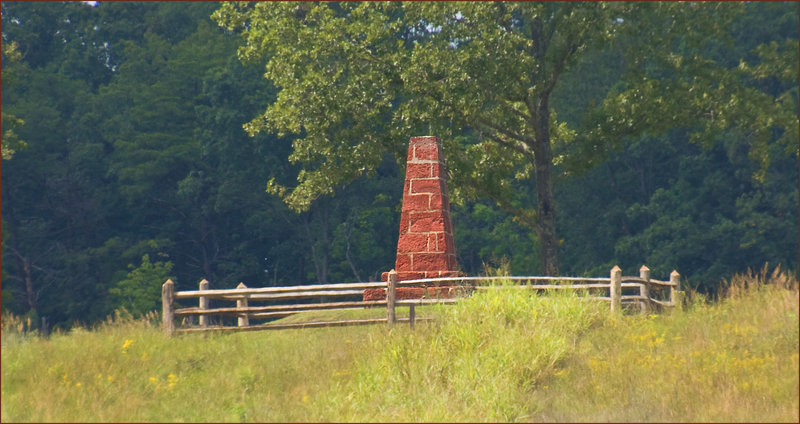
[136,146]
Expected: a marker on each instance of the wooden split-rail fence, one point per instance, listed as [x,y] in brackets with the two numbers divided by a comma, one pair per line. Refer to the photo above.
[642,291]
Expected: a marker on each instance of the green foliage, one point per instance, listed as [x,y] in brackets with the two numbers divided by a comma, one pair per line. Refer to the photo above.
[705,226]
[140,291]
[675,205]
[487,237]
[133,115]
[692,192]
[11,141]
[366,75]
[362,77]
[341,85]
[144,143]
[707,74]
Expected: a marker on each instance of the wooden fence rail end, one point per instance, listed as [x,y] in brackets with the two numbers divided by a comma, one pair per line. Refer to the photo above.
[616,288]
[391,284]
[675,293]
[644,274]
[168,308]
[203,304]
[241,303]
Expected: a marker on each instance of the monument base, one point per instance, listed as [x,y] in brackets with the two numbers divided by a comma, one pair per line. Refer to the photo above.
[418,275]
[446,289]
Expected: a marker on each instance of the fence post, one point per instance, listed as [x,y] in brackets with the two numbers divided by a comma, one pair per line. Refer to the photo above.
[391,285]
[203,304]
[644,274]
[411,315]
[675,292]
[168,308]
[616,289]
[244,320]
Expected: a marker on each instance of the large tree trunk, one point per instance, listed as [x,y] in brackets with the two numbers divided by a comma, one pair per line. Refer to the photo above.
[323,277]
[539,110]
[31,297]
[347,234]
[321,251]
[546,211]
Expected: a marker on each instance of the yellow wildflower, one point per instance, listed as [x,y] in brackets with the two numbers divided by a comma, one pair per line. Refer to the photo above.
[126,345]
[172,380]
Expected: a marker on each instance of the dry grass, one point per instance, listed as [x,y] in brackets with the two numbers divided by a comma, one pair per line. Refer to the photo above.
[734,361]
[500,356]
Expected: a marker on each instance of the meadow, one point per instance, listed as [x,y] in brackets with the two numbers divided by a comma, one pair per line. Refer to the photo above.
[501,355]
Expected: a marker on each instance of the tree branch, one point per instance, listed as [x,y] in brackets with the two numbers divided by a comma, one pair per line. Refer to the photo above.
[521,148]
[348,232]
[508,133]
[561,64]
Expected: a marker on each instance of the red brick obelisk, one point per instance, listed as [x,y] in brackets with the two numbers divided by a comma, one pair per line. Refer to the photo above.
[425,248]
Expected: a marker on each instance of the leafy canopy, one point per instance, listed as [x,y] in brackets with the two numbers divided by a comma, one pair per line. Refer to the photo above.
[356,79]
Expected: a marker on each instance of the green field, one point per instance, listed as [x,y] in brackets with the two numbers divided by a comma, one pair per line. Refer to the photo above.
[498,356]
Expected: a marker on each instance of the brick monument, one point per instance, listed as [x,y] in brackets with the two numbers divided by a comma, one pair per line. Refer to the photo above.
[425,248]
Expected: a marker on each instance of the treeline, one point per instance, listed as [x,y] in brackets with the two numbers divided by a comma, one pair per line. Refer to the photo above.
[125,163]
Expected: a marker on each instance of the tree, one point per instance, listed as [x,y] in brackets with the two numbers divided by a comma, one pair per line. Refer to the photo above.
[711,198]
[11,141]
[669,147]
[357,79]
[487,238]
[134,113]
[139,293]
[68,232]
[51,195]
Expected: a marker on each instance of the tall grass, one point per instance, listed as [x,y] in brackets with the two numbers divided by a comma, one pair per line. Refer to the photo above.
[501,355]
[481,363]
[735,360]
[126,370]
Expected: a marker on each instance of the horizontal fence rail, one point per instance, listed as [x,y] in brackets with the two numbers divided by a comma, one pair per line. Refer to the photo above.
[649,294]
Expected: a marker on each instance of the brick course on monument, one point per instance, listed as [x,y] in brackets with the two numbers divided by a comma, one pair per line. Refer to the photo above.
[425,248]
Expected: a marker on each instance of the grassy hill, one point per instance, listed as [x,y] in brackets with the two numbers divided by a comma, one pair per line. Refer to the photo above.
[497,356]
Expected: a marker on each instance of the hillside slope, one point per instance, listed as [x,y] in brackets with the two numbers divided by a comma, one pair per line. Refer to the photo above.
[499,356]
